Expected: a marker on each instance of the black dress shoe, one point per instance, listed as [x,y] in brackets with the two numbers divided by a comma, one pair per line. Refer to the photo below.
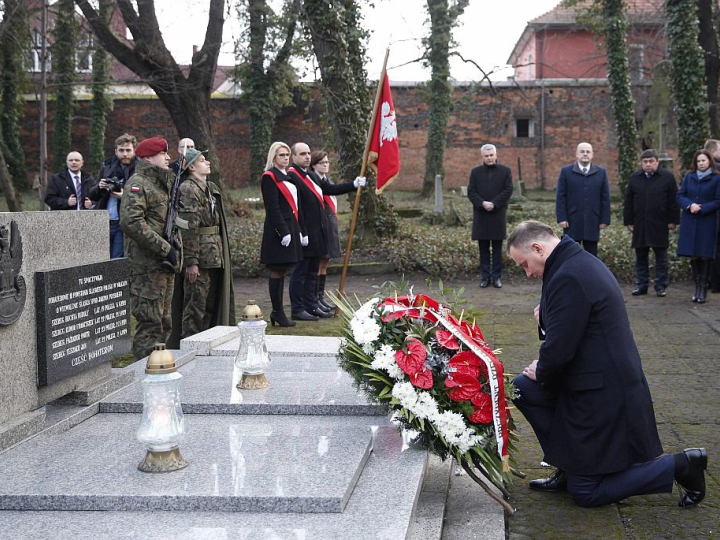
[556,482]
[497,283]
[303,316]
[661,292]
[320,313]
[484,283]
[694,481]
[640,291]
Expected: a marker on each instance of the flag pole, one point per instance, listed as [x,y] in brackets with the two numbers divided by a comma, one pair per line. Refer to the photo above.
[363,168]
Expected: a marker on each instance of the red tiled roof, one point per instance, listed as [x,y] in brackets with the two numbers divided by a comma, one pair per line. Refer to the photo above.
[638,11]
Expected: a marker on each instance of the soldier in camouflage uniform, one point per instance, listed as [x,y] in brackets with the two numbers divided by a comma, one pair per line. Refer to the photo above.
[153,261]
[208,298]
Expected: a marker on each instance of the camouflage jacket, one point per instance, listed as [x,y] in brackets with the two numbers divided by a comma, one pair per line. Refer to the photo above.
[143,209]
[202,244]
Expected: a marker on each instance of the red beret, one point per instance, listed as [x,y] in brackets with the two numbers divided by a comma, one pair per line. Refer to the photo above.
[151,147]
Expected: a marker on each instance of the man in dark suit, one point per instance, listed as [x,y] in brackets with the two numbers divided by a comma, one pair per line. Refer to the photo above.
[489,190]
[582,203]
[303,300]
[650,210]
[69,188]
[586,396]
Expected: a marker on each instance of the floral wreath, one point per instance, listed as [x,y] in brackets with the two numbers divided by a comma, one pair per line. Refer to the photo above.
[442,380]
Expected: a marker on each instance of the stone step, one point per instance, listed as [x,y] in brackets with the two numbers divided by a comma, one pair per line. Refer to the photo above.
[381,506]
[278,345]
[298,386]
[238,464]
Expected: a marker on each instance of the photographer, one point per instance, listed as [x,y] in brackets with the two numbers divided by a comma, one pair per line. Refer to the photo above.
[107,192]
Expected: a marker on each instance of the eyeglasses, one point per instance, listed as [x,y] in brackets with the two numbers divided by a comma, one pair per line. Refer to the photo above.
[283,155]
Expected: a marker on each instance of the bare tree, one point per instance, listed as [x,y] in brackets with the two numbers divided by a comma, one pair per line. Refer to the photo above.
[186,97]
[708,39]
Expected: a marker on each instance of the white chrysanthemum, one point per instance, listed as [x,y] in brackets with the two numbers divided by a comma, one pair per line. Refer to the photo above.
[385,360]
[368,349]
[426,406]
[395,372]
[405,393]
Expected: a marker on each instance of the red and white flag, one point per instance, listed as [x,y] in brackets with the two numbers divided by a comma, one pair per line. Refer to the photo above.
[384,155]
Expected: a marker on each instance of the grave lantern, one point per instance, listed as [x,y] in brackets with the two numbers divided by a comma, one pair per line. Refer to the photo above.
[162,427]
[252,356]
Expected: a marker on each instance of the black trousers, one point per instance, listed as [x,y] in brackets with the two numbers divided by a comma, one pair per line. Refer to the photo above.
[491,265]
[302,285]
[656,476]
[642,268]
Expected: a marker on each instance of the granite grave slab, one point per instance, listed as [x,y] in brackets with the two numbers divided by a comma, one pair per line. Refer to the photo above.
[298,386]
[278,345]
[239,464]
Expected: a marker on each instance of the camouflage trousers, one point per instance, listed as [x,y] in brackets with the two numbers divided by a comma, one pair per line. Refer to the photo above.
[150,300]
[200,302]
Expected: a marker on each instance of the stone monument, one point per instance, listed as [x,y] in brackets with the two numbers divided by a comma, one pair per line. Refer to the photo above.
[75,310]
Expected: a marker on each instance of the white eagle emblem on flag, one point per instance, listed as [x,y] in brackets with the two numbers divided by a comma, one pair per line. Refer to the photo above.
[388,127]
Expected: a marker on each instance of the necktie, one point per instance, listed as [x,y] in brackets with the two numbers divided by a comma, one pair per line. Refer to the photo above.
[78,191]
[585,170]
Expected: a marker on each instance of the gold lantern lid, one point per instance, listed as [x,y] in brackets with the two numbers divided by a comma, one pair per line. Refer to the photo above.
[160,361]
[252,312]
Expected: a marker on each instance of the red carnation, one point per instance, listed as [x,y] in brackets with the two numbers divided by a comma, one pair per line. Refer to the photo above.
[446,339]
[413,360]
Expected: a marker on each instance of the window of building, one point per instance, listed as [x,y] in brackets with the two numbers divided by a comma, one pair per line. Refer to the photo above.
[636,55]
[83,55]
[524,128]
[36,53]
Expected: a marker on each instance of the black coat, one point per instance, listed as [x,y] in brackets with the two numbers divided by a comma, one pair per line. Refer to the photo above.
[313,208]
[604,419]
[279,222]
[61,187]
[111,168]
[698,231]
[583,201]
[650,207]
[492,184]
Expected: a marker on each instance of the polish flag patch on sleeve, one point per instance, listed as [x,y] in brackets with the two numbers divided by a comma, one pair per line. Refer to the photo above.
[135,189]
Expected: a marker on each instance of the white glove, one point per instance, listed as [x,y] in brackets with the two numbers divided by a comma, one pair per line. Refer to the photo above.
[303,241]
[285,240]
[360,181]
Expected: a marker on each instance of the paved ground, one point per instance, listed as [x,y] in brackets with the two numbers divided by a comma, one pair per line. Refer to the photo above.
[679,342]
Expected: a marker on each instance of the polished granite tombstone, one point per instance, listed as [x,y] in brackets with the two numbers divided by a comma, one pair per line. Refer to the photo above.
[301,386]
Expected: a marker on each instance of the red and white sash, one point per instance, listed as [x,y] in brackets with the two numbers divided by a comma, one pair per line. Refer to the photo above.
[286,193]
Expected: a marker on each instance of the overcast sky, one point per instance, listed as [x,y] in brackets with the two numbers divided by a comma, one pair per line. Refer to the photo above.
[487,34]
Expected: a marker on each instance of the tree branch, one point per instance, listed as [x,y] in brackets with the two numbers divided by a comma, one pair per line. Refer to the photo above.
[486,76]
[204,62]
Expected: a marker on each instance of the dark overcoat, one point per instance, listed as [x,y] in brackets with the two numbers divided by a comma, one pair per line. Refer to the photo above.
[493,184]
[310,192]
[698,231]
[61,187]
[604,419]
[650,206]
[279,222]
[110,168]
[583,200]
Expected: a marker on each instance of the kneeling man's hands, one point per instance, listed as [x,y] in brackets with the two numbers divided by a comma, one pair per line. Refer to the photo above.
[529,371]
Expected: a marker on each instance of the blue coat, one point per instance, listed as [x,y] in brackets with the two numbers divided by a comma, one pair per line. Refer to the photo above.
[698,231]
[583,201]
[604,420]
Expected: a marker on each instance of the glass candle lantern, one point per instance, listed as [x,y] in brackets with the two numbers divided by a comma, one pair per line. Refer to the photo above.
[252,357]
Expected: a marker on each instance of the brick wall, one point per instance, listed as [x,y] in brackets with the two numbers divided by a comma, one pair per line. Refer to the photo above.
[572,114]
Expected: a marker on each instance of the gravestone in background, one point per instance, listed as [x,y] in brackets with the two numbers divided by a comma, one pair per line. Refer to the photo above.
[50,241]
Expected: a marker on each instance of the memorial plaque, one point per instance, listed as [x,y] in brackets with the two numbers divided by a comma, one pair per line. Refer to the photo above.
[83,318]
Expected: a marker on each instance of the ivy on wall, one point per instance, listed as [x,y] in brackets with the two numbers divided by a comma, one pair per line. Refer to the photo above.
[63,59]
[101,103]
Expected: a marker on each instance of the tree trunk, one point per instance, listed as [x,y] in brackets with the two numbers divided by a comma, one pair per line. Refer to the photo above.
[6,185]
[615,32]
[687,78]
[708,39]
[187,99]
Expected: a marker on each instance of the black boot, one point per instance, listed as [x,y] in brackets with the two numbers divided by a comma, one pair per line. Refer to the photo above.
[695,267]
[321,293]
[276,286]
[704,276]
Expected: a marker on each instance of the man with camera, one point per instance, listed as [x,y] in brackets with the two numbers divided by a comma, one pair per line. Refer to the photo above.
[113,174]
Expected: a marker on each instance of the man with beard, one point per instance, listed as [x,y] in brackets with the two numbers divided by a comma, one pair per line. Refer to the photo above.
[113,174]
